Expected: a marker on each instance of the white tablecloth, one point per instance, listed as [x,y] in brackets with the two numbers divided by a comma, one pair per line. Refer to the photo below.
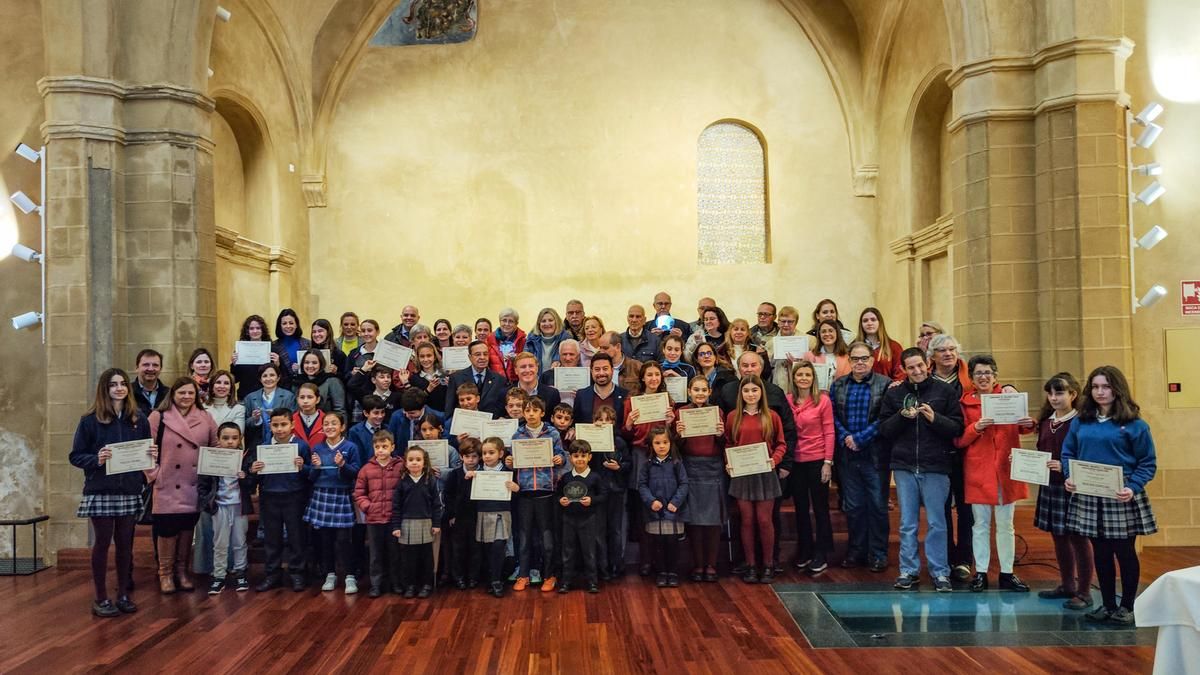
[1172,603]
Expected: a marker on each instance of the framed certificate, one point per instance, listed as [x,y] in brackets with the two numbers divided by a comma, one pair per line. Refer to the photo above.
[252,352]
[784,345]
[455,358]
[392,355]
[571,378]
[1029,466]
[532,453]
[676,388]
[128,457]
[1005,408]
[491,486]
[700,421]
[224,462]
[1098,480]
[824,373]
[278,458]
[599,436]
[747,460]
[650,407]
[438,451]
[469,422]
[503,428]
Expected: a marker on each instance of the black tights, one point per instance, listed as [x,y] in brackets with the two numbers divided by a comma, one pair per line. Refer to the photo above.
[704,540]
[1122,550]
[106,530]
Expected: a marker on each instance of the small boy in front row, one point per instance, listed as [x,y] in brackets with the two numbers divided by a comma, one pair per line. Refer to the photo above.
[373,492]
[228,500]
[581,495]
[462,517]
[282,498]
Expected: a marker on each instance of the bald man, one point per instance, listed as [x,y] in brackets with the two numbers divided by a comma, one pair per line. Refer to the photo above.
[701,305]
[638,343]
[409,316]
[662,307]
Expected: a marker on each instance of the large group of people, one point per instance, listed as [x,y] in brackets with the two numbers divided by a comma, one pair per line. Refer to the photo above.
[366,501]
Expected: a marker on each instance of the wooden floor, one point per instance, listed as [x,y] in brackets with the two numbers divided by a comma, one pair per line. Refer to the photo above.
[630,627]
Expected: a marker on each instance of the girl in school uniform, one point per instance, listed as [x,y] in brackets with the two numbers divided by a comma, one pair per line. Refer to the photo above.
[321,333]
[705,465]
[663,487]
[416,519]
[430,377]
[493,524]
[254,329]
[637,435]
[111,503]
[751,421]
[259,404]
[309,419]
[313,371]
[886,351]
[335,465]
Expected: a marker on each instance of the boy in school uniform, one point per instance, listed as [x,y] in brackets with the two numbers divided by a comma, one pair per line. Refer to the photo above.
[581,496]
[379,384]
[614,469]
[535,500]
[462,518]
[468,399]
[405,423]
[282,498]
[228,500]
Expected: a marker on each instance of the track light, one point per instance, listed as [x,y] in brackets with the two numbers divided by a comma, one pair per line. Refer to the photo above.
[31,319]
[23,202]
[1151,111]
[29,153]
[223,14]
[29,255]
[1151,238]
[1148,135]
[1147,196]
[1151,169]
[1152,296]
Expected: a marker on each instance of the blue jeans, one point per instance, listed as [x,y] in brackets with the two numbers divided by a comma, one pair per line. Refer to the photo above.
[914,490]
[866,510]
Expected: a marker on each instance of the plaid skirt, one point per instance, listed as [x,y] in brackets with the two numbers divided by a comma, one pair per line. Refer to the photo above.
[664,527]
[493,526]
[330,507]
[1053,502]
[1107,518]
[109,506]
[414,532]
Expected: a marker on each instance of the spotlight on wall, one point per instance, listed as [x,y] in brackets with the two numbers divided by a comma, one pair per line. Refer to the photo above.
[1150,169]
[223,14]
[210,72]
[1152,110]
[1152,296]
[1148,135]
[24,203]
[31,319]
[29,153]
[1147,196]
[1146,242]
[29,255]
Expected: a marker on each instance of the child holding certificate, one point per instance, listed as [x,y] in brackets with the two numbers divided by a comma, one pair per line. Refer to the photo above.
[1110,431]
[461,518]
[663,487]
[333,472]
[228,500]
[494,524]
[281,500]
[751,421]
[373,491]
[416,518]
[535,502]
[613,469]
[703,458]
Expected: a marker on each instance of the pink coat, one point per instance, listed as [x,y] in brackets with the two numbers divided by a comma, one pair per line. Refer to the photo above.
[175,479]
[814,429]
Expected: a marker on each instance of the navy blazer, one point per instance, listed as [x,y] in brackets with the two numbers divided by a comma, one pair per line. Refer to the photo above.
[491,395]
[401,426]
[586,398]
[254,401]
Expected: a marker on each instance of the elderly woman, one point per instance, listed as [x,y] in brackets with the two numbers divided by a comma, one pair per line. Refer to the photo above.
[547,337]
[504,343]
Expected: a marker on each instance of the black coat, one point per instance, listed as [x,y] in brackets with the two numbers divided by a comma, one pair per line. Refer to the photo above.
[491,396]
[417,501]
[90,436]
[143,403]
[918,444]
[618,480]
[458,498]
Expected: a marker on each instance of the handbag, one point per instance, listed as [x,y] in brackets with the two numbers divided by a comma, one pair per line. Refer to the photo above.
[146,512]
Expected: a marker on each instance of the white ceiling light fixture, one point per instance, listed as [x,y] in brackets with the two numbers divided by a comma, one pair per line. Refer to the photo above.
[29,153]
[1149,169]
[224,14]
[1151,193]
[1152,296]
[1152,110]
[24,203]
[1151,238]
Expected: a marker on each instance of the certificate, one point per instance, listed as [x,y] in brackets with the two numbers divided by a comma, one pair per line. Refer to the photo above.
[700,421]
[532,453]
[455,358]
[128,457]
[438,451]
[325,354]
[469,422]
[224,462]
[570,378]
[278,458]
[1098,480]
[824,372]
[1029,466]
[747,460]
[503,428]
[392,355]
[1005,408]
[491,486]
[782,345]
[599,436]
[650,407]
[252,352]
[677,388]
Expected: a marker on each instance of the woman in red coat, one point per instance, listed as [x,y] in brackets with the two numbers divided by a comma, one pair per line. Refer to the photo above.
[986,470]
[505,343]
[185,429]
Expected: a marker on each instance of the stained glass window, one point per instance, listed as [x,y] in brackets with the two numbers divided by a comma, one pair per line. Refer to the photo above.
[731,195]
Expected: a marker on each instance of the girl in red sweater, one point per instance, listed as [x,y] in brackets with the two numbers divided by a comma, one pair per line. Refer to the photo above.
[812,467]
[750,422]
[885,350]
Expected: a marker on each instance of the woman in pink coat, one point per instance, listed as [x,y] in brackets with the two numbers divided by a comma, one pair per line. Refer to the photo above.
[182,427]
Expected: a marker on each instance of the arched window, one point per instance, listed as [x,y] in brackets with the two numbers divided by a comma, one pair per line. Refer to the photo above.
[731,195]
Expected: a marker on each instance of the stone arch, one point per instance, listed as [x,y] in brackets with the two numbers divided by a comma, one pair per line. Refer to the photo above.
[926,149]
[259,172]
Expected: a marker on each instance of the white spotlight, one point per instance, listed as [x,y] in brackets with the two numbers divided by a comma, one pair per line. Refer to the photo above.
[29,153]
[224,15]
[1148,196]
[1151,238]
[1151,111]
[1148,135]
[210,72]
[1152,296]
[23,202]
[1151,169]
[31,319]
[29,255]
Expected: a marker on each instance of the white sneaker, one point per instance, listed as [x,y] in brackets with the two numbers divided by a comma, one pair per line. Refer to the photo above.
[351,584]
[330,582]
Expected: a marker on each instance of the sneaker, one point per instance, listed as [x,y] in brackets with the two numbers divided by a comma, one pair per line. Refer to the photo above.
[878,565]
[906,581]
[548,584]
[425,591]
[351,584]
[1099,615]
[1057,593]
[1078,603]
[1122,617]
[1010,582]
[215,586]
[330,582]
[942,585]
[515,575]
[979,584]
[802,565]
[105,609]
[817,565]
[374,592]
[522,584]
[535,577]
[242,584]
[961,572]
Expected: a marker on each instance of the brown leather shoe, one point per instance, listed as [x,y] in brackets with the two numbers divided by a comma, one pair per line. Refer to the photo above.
[183,559]
[165,547]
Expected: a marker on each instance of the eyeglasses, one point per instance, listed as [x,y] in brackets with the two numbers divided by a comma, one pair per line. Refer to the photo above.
[860,359]
[702,355]
[766,313]
[787,322]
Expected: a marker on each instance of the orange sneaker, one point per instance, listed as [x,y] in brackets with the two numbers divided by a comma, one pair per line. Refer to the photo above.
[522,584]
[548,584]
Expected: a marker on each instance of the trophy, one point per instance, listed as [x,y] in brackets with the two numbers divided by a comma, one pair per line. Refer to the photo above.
[575,491]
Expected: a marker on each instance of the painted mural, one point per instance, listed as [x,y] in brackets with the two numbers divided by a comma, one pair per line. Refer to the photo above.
[428,22]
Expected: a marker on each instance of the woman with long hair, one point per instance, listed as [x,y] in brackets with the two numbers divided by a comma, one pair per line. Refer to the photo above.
[886,351]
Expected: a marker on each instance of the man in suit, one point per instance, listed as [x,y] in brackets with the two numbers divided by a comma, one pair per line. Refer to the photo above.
[492,387]
[602,393]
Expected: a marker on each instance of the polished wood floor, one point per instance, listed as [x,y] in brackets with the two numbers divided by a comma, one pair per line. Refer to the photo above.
[630,627]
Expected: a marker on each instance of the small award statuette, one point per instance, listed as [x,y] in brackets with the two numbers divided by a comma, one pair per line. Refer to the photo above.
[575,490]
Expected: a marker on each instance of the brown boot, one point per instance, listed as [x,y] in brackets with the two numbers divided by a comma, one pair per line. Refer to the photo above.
[183,559]
[165,547]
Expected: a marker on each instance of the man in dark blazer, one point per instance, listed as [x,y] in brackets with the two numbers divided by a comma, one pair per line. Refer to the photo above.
[525,365]
[148,391]
[492,387]
[602,392]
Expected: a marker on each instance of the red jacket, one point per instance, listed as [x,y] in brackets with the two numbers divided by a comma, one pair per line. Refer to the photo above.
[751,432]
[375,487]
[893,367]
[987,463]
[496,361]
[316,436]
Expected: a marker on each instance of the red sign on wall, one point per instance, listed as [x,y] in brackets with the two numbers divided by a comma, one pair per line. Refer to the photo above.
[1191,298]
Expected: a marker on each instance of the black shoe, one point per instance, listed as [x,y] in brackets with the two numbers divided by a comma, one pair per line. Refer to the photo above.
[1010,582]
[817,565]
[1099,615]
[564,588]
[961,572]
[768,575]
[850,562]
[460,584]
[661,581]
[1057,593]
[298,585]
[711,577]
[425,591]
[645,569]
[777,567]
[269,584]
[410,592]
[696,575]
[374,592]
[740,568]
[979,583]
[1122,617]
[105,609]
[497,589]
[673,580]
[593,588]
[802,565]
[242,584]
[878,565]
[749,575]
[125,605]
[472,583]
[605,576]
[216,586]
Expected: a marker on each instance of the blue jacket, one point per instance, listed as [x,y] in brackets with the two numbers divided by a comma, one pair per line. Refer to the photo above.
[534,342]
[541,478]
[364,440]
[254,401]
[287,482]
[402,427]
[90,437]
[330,475]
[614,481]
[665,481]
[1128,446]
[585,400]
